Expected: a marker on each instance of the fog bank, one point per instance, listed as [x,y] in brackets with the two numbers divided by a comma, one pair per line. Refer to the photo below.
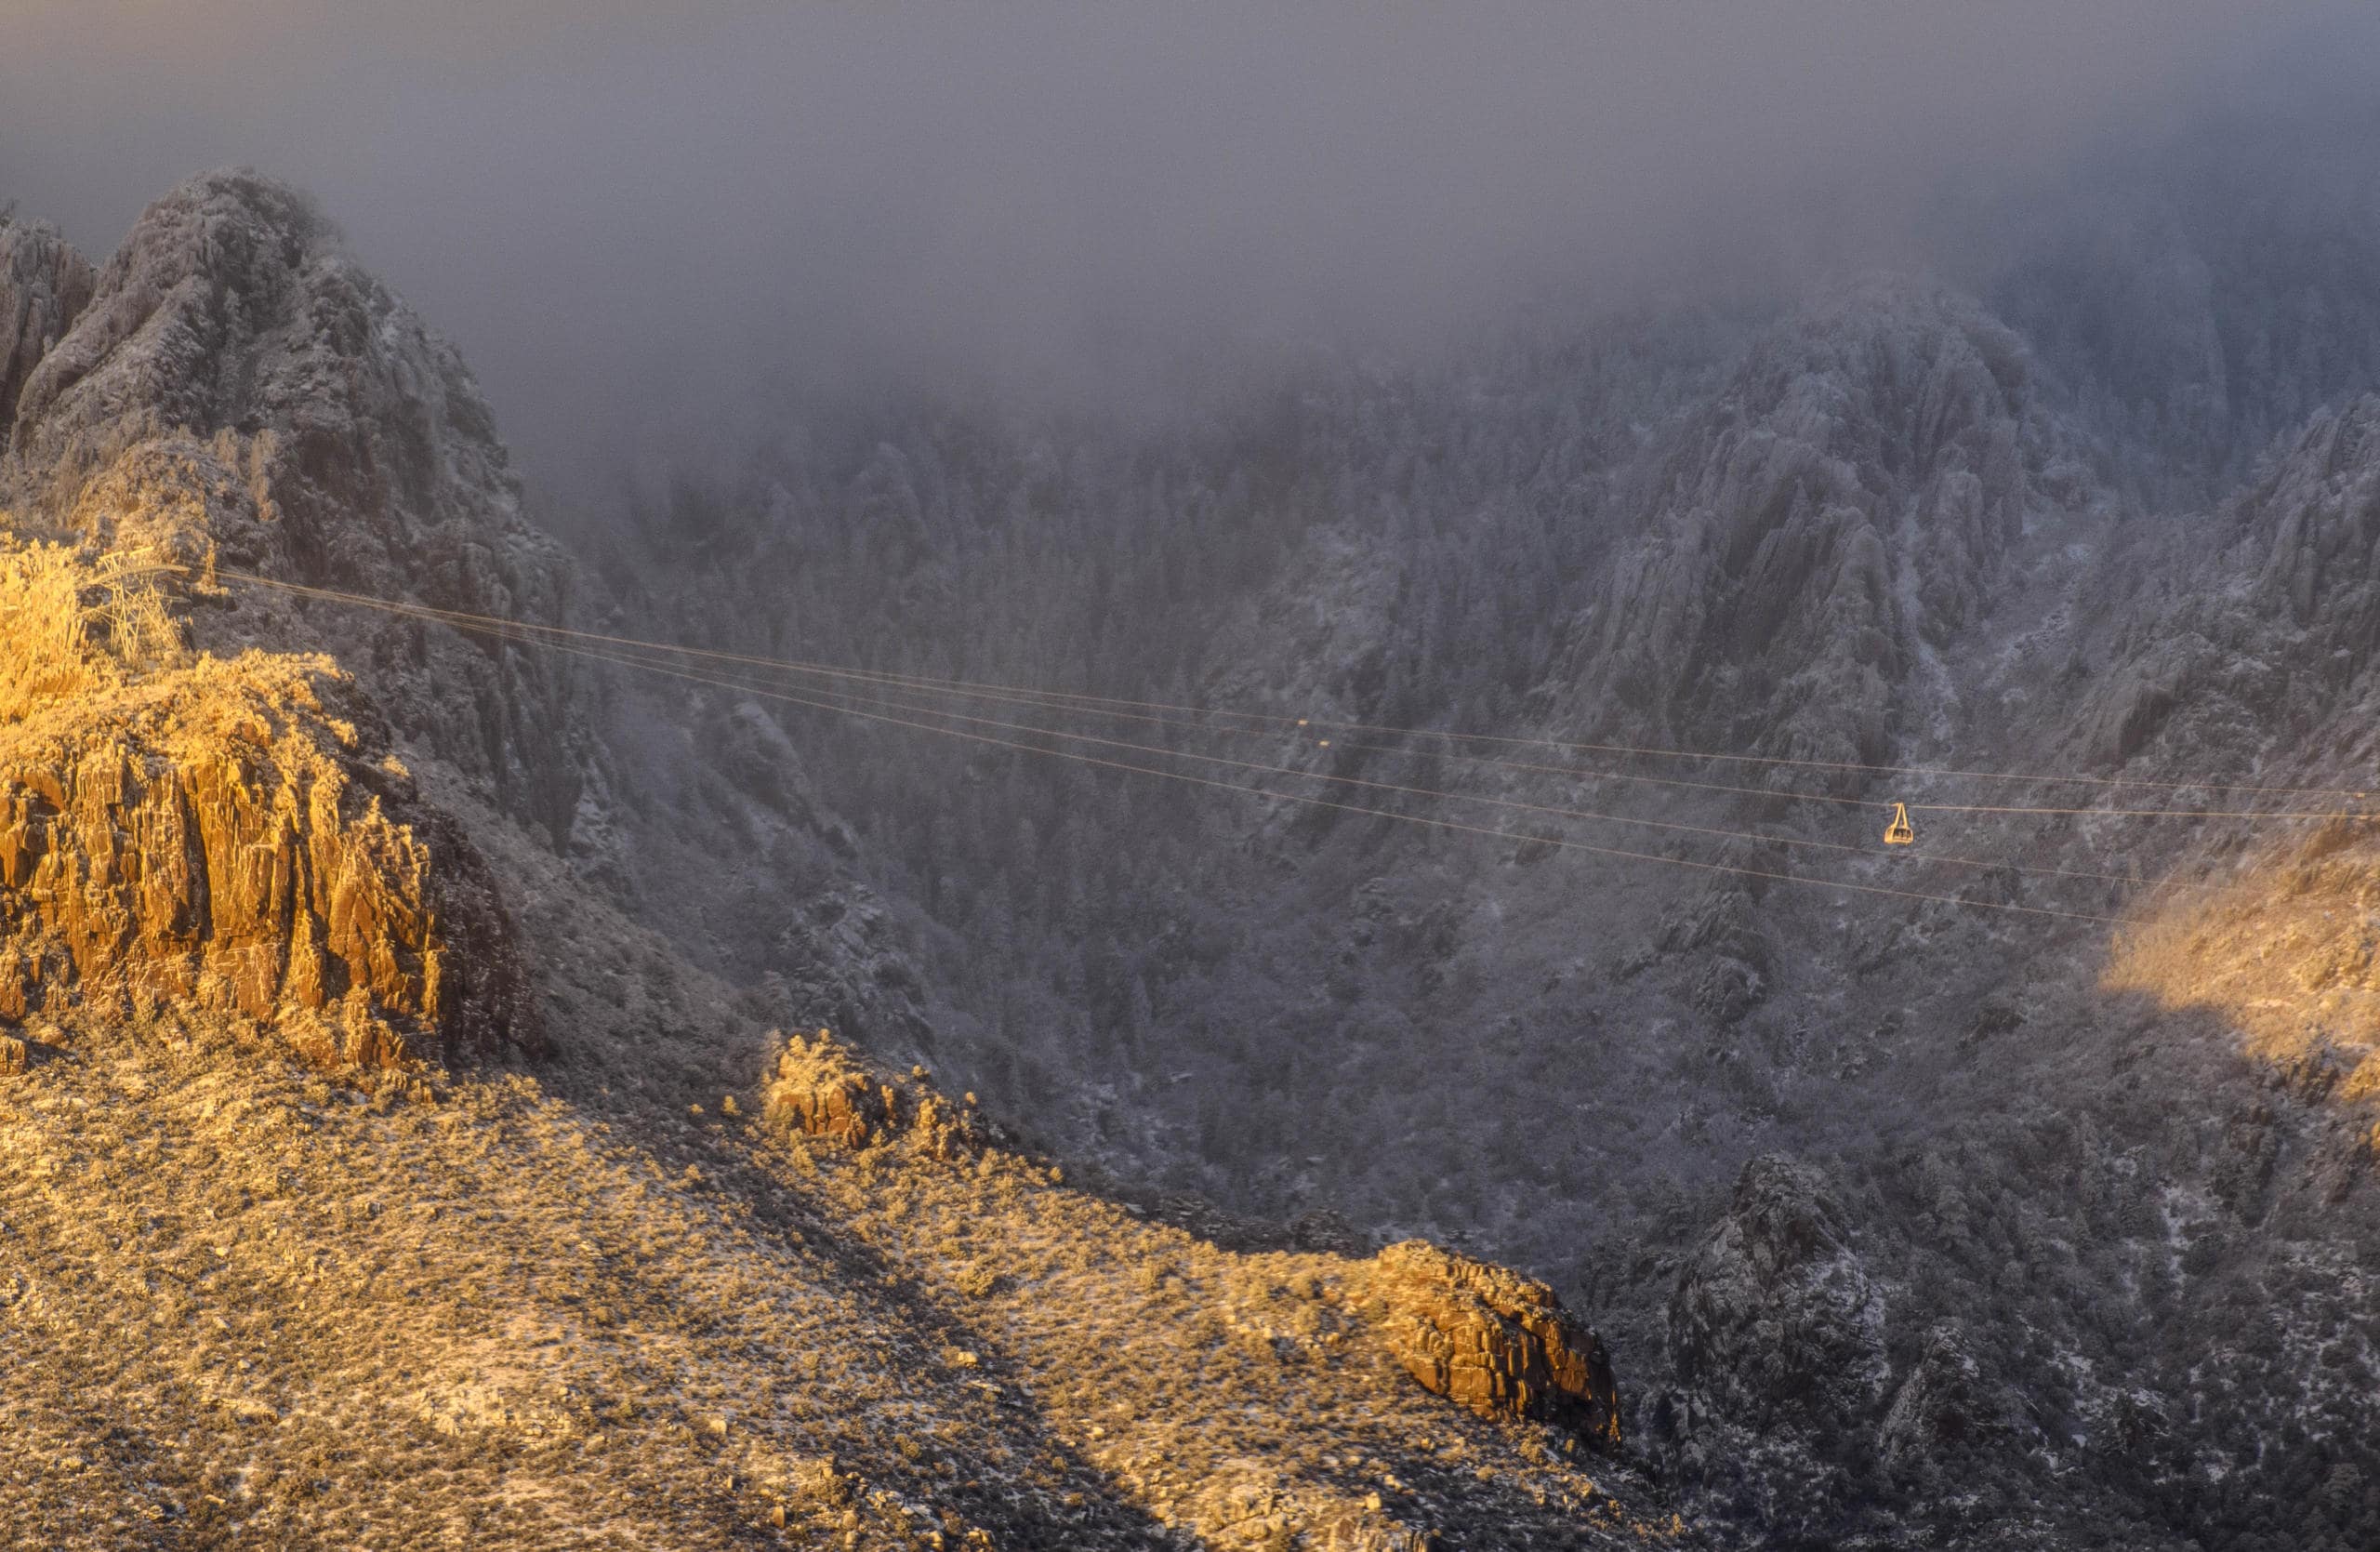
[635,221]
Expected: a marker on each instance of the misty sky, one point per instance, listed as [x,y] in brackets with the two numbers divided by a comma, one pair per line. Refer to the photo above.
[633,215]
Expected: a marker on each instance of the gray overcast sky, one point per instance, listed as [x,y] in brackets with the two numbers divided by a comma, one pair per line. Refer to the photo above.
[630,215]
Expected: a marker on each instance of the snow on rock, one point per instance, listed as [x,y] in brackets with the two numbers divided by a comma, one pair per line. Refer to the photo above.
[43,283]
[1777,1337]
[239,390]
[1840,508]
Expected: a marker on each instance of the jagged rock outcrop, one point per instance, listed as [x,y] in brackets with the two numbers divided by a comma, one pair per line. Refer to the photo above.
[1842,507]
[44,286]
[205,840]
[236,394]
[2317,518]
[238,389]
[2255,622]
[1493,1340]
[819,1091]
[232,392]
[1775,1338]
[1776,1318]
[1944,1407]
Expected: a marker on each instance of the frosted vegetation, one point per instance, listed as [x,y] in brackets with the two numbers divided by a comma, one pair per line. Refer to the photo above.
[1915,1219]
[2088,507]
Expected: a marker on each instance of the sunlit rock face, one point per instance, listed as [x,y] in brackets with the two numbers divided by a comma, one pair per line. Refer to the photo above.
[237,389]
[213,844]
[186,827]
[2282,947]
[239,393]
[819,1090]
[1494,1340]
[2256,662]
[43,284]
[233,393]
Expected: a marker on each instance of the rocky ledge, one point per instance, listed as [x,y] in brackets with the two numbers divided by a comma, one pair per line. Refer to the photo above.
[1479,1335]
[819,1091]
[211,839]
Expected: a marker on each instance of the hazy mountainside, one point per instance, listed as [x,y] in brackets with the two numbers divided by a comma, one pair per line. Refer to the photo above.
[2202,300]
[2023,1199]
[371,1175]
[2080,1238]
[1818,532]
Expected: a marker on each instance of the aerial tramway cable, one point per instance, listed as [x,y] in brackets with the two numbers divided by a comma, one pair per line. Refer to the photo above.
[1564,843]
[1758,837]
[621,652]
[513,631]
[1649,752]
[929,684]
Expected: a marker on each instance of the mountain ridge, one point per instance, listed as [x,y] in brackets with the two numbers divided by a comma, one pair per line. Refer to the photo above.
[563,1265]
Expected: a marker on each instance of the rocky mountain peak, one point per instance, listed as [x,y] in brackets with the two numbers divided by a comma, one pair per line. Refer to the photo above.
[1836,513]
[212,845]
[2318,514]
[232,307]
[238,390]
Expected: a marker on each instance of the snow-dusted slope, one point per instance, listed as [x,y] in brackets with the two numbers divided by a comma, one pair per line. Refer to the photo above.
[1884,527]
[387,1159]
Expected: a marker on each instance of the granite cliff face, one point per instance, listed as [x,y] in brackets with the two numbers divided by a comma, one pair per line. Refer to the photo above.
[2243,631]
[215,844]
[1823,526]
[188,823]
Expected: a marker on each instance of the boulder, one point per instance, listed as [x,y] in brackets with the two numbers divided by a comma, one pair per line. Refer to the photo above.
[1493,1340]
[818,1090]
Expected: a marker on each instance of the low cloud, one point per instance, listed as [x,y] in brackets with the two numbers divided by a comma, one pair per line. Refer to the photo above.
[637,218]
